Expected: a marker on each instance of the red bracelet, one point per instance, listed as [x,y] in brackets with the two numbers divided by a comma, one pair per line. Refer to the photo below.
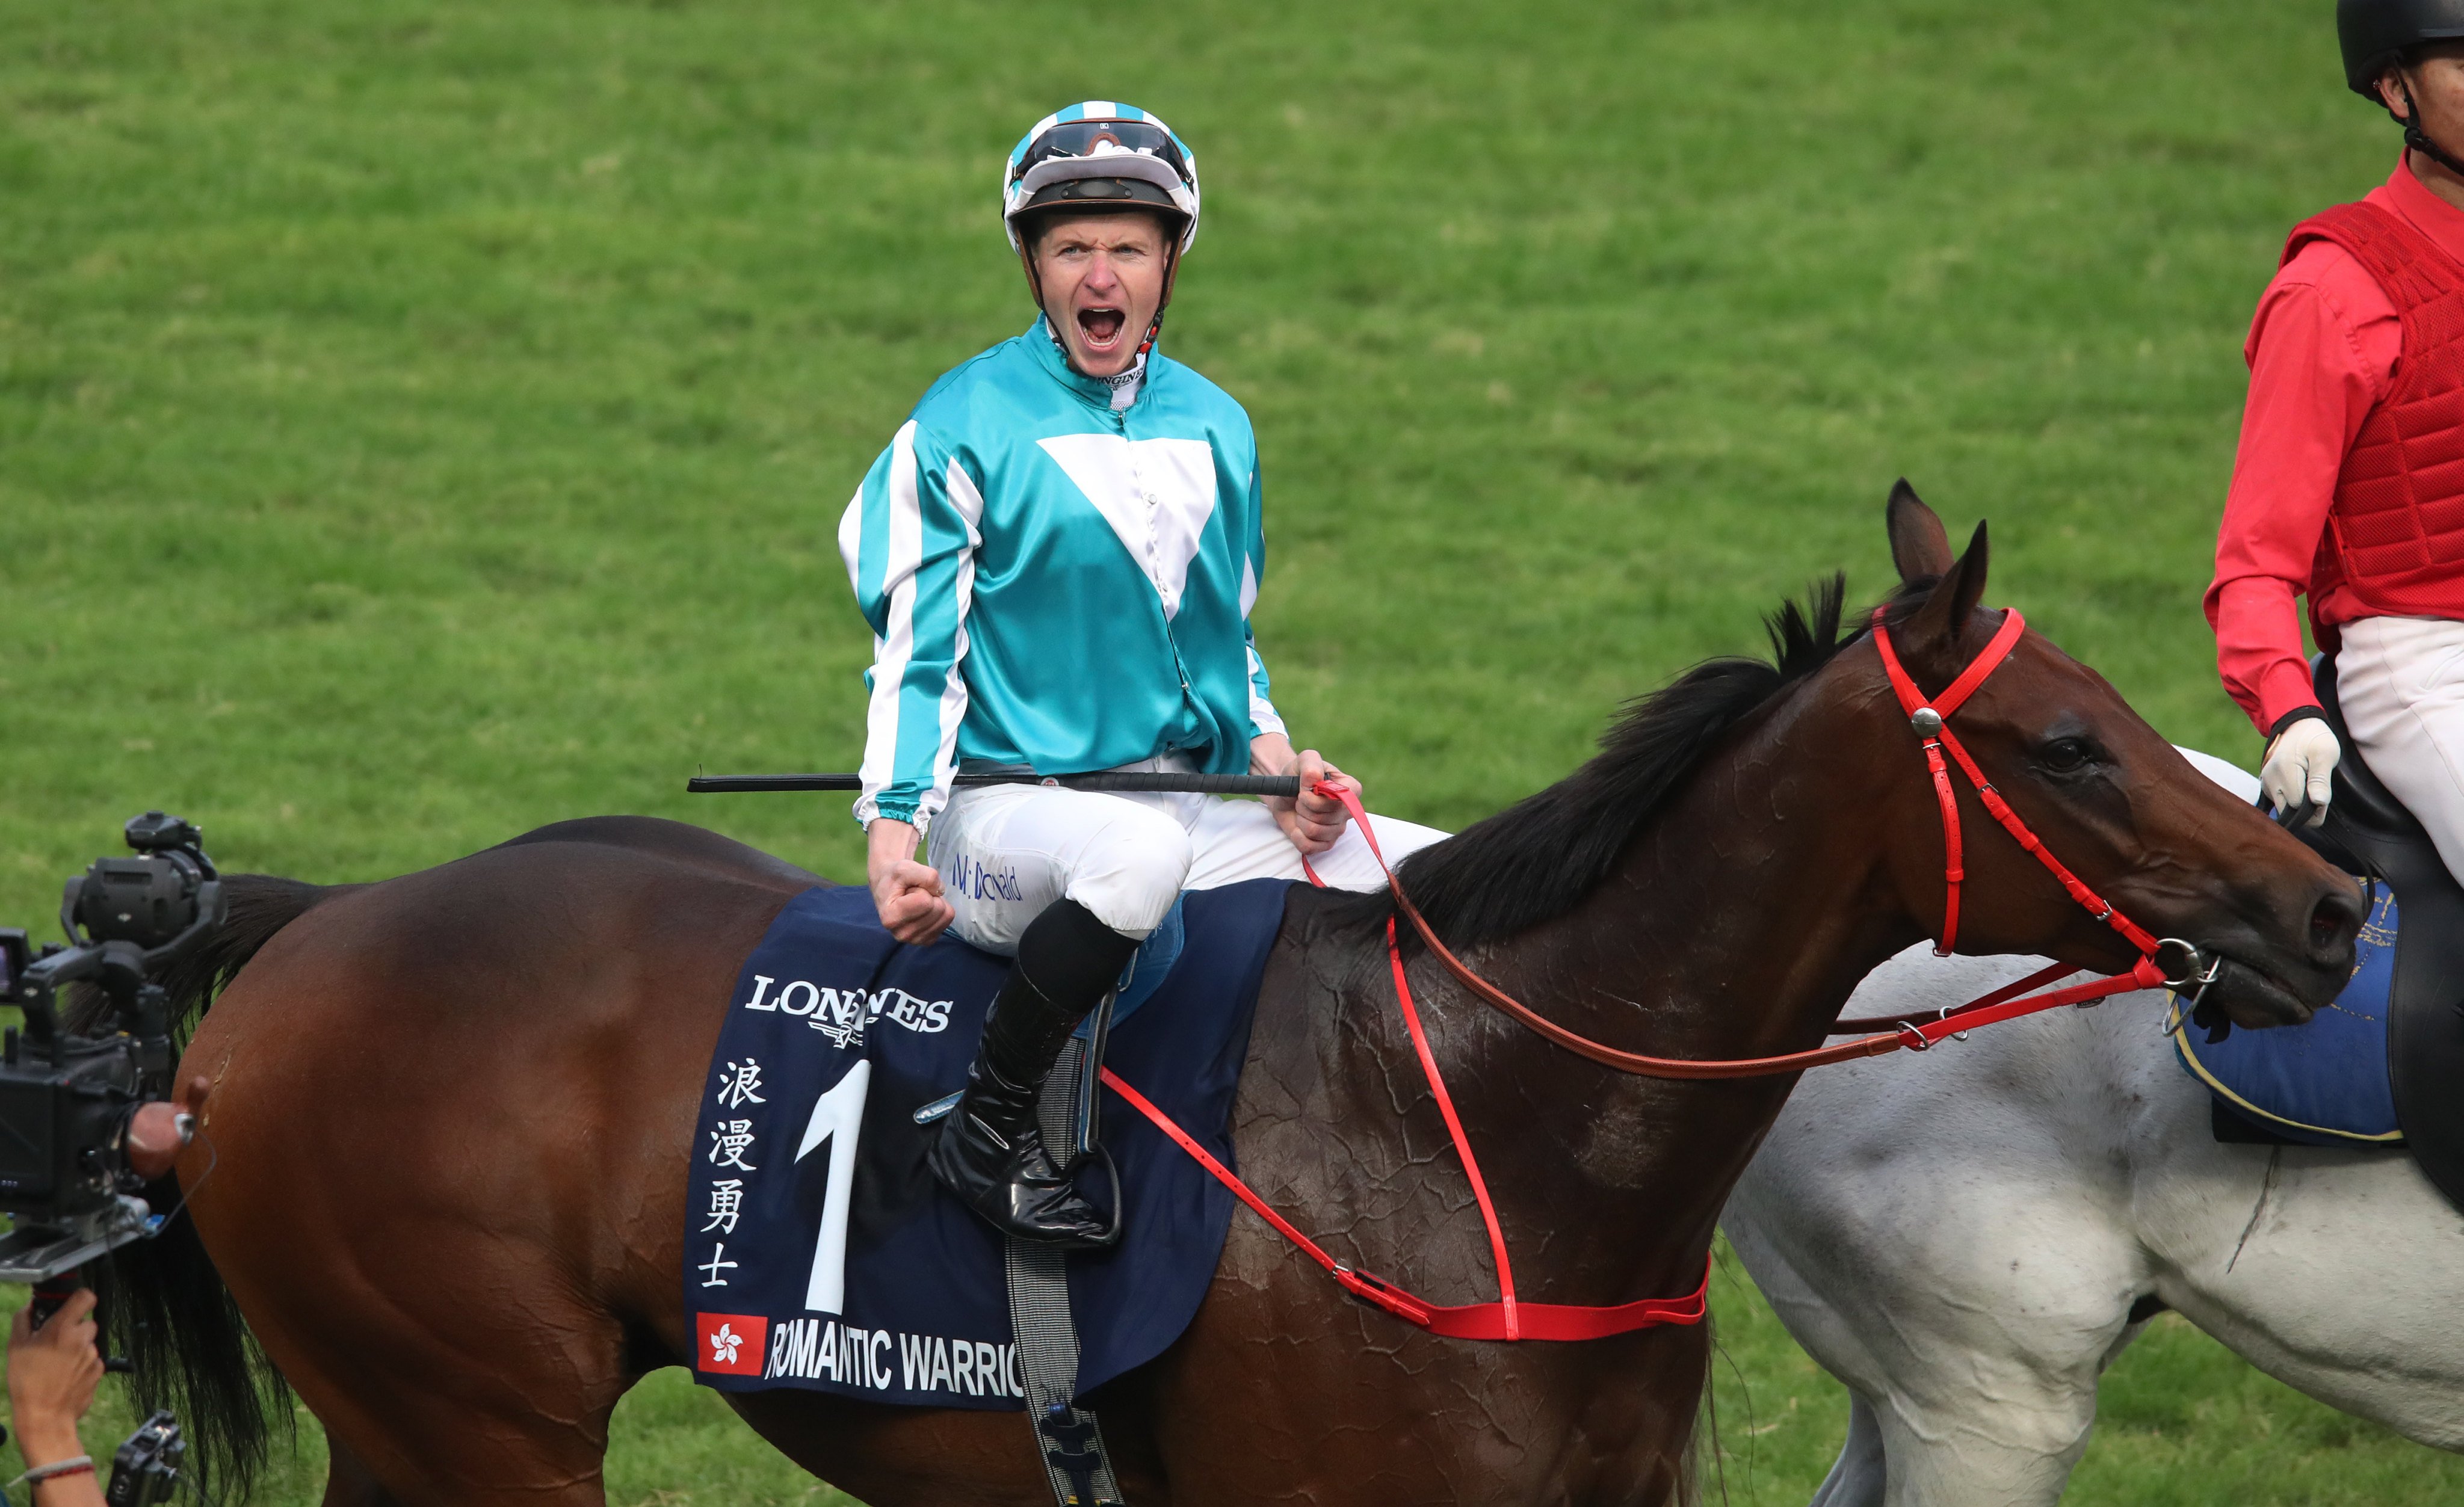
[60,1471]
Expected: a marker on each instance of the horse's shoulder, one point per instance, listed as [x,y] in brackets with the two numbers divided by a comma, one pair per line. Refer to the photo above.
[1328,951]
[1325,929]
[673,841]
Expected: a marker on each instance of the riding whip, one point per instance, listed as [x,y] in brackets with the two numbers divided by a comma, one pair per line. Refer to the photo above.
[1287,786]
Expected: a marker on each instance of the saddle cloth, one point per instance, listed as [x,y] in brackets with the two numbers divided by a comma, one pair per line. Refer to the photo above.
[819,1253]
[2322,1083]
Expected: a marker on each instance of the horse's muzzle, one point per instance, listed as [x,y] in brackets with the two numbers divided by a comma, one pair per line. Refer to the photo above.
[2242,993]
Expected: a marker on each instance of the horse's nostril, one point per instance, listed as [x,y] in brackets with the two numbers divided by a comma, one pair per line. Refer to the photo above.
[2335,921]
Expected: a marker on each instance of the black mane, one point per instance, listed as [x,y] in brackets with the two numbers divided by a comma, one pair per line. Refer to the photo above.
[1538,859]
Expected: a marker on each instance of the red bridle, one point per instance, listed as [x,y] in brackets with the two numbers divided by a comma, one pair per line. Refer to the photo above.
[1931,720]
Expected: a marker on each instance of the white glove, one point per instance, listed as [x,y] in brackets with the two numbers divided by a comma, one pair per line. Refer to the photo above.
[2297,765]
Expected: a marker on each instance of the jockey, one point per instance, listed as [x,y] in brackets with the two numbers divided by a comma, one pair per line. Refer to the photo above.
[1058,553]
[2347,484]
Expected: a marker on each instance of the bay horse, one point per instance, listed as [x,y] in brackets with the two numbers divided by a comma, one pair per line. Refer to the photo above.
[443,1174]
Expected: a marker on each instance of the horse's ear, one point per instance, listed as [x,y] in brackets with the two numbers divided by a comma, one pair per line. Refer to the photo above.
[1961,588]
[1919,544]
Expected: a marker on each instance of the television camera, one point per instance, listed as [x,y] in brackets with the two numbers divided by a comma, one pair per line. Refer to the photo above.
[146,1468]
[78,1106]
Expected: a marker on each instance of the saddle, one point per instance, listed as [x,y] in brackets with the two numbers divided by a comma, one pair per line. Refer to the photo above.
[2368,834]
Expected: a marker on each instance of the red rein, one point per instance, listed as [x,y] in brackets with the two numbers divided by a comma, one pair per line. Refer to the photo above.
[2003,1004]
[1509,1318]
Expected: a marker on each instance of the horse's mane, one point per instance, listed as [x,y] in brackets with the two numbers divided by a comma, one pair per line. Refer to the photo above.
[1540,858]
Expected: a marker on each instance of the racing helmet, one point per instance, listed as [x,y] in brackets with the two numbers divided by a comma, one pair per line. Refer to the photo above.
[2376,32]
[1102,155]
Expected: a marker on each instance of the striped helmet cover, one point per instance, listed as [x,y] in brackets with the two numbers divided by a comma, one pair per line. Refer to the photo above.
[1145,165]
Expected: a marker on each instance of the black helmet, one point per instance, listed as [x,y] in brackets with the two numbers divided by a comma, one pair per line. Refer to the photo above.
[2376,32]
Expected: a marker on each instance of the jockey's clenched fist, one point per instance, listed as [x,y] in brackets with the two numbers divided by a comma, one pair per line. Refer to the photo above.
[907,894]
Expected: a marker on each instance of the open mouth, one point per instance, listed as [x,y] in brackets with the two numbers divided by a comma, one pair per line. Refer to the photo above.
[1101,328]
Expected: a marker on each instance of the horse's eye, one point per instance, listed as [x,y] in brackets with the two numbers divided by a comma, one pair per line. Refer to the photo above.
[2063,756]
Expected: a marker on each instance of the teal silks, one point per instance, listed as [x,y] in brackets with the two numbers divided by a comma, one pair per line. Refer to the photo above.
[1058,572]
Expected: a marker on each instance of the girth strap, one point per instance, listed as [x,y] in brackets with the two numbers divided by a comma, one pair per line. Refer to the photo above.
[1068,1438]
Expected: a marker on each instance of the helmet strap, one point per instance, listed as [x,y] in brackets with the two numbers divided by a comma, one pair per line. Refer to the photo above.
[1171,275]
[1034,283]
[2415,138]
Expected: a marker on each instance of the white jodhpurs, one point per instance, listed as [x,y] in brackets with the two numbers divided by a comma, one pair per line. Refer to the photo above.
[1005,852]
[2401,683]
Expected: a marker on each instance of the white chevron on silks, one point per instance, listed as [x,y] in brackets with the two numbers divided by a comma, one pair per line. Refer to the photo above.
[1157,494]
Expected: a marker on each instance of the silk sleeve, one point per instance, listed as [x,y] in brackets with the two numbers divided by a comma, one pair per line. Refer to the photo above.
[909,541]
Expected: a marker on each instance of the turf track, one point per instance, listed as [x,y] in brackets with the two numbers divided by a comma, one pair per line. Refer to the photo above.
[420,423]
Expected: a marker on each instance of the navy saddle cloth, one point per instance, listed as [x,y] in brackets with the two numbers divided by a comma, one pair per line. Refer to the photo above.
[2322,1083]
[2387,1061]
[820,1253]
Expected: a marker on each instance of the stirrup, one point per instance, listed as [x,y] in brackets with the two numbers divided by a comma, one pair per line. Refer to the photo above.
[1080,1065]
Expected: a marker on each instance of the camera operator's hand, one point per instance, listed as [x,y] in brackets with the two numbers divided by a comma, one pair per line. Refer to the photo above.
[53,1372]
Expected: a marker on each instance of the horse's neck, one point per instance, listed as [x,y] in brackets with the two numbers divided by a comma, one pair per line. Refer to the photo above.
[1740,923]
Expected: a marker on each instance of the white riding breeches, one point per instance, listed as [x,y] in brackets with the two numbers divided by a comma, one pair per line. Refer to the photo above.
[2401,683]
[1005,852]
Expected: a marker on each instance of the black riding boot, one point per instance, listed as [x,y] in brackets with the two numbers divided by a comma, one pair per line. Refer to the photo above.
[990,1151]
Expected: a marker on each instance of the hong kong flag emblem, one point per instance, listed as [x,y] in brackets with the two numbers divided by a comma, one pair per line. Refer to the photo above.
[731,1343]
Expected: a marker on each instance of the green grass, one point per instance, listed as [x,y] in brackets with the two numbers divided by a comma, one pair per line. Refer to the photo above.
[423,421]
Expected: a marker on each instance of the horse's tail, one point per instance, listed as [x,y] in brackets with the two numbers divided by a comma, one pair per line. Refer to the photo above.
[257,905]
[162,1304]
